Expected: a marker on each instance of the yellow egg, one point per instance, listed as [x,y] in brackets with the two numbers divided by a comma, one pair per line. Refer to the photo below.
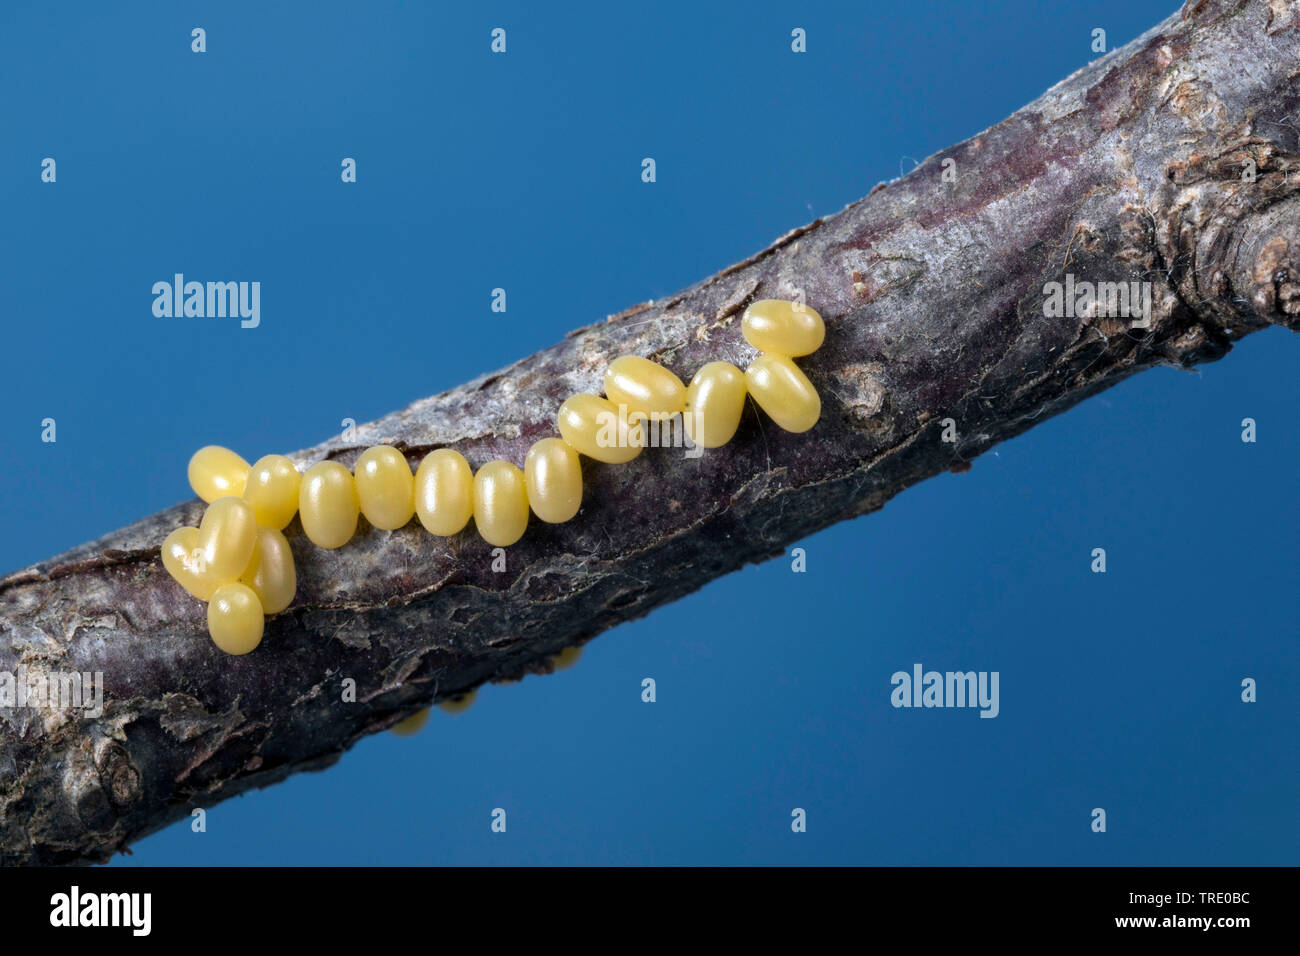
[328,505]
[593,427]
[227,536]
[217,472]
[553,475]
[715,401]
[235,620]
[385,487]
[500,503]
[184,561]
[783,328]
[272,491]
[460,703]
[643,386]
[783,392]
[410,726]
[566,658]
[444,492]
[271,573]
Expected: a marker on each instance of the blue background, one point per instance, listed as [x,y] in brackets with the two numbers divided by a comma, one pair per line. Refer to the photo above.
[523,171]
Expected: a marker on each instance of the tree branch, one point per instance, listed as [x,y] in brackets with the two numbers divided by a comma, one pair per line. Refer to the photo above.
[933,294]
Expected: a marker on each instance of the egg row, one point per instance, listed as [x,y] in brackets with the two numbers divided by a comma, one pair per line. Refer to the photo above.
[240,562]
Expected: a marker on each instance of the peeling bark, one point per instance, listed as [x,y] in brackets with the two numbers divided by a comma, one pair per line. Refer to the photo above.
[933,295]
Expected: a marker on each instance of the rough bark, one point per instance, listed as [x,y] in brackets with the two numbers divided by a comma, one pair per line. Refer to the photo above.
[933,294]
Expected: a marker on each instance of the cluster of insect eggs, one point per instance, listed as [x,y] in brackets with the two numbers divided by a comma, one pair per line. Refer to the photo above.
[239,561]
